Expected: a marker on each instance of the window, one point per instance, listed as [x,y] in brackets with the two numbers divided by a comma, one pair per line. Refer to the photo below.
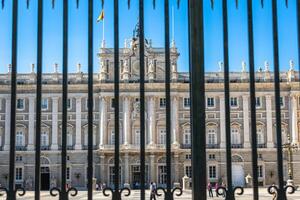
[211,156]
[187,136]
[69,138]
[69,104]
[44,139]
[188,156]
[19,174]
[186,102]
[44,104]
[137,134]
[260,171]
[20,139]
[112,103]
[68,174]
[162,136]
[112,174]
[112,137]
[212,172]
[258,102]
[282,101]
[86,137]
[210,102]
[19,158]
[188,171]
[162,174]
[260,136]
[235,136]
[162,102]
[234,102]
[20,104]
[211,136]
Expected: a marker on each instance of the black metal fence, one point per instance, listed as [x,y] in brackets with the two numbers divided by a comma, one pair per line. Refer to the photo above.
[197,91]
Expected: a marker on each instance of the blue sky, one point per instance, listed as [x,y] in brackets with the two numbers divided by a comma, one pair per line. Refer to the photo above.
[154,29]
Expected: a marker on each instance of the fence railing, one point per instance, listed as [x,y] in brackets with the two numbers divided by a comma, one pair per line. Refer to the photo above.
[197,83]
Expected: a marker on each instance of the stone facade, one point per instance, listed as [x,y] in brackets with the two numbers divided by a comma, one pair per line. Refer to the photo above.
[155,122]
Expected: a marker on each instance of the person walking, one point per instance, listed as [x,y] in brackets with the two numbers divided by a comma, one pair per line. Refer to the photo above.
[209,188]
[152,191]
[216,189]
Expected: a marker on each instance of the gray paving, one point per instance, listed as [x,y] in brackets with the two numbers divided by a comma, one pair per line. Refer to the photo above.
[135,195]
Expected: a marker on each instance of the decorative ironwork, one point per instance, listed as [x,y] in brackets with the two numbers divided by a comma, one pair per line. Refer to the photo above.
[63,194]
[169,196]
[20,191]
[275,191]
[223,191]
[116,194]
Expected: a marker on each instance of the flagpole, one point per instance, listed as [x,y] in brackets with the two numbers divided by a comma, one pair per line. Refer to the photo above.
[103,33]
[173,28]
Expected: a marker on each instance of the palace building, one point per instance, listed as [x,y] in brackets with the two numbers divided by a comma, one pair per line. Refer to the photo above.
[103,133]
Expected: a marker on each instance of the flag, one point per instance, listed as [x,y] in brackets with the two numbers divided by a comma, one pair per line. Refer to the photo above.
[101,16]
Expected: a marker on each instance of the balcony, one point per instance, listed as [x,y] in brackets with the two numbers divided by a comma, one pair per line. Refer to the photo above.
[21,148]
[212,146]
[186,146]
[236,146]
[45,148]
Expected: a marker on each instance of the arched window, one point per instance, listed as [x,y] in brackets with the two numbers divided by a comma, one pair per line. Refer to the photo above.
[20,140]
[187,136]
[260,135]
[44,139]
[211,136]
[235,135]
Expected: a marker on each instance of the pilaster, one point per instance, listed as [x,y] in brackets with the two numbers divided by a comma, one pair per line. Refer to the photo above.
[54,145]
[78,145]
[31,120]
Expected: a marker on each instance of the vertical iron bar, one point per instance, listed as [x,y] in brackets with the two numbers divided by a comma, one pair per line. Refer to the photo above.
[252,100]
[116,194]
[38,99]
[90,99]
[281,192]
[12,152]
[197,95]
[298,27]
[168,195]
[64,194]
[229,194]
[142,95]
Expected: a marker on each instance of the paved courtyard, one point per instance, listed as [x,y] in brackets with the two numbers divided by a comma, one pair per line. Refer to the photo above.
[82,195]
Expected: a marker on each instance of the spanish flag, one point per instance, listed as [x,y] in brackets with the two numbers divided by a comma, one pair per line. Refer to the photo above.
[101,16]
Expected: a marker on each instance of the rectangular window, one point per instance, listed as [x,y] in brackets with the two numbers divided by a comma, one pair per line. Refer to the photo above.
[68,174]
[19,174]
[212,171]
[188,156]
[186,102]
[162,102]
[112,137]
[69,104]
[188,171]
[45,104]
[112,103]
[210,102]
[258,102]
[19,158]
[234,102]
[282,101]
[260,171]
[162,174]
[162,136]
[20,104]
[212,156]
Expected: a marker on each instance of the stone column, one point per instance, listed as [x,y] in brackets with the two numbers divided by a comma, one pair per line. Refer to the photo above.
[174,121]
[31,121]
[222,122]
[152,170]
[270,142]
[151,120]
[7,123]
[78,145]
[126,120]
[126,171]
[103,178]
[54,145]
[246,121]
[294,119]
[103,122]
